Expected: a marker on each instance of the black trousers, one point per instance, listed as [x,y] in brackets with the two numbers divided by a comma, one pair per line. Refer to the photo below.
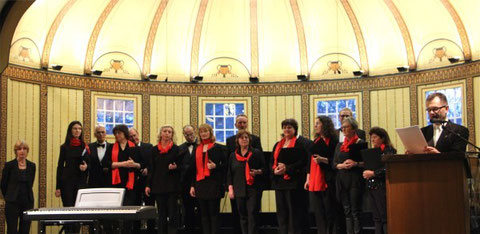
[291,211]
[248,209]
[210,215]
[235,217]
[167,206]
[140,199]
[322,204]
[378,201]
[350,185]
[69,195]
[188,205]
[14,216]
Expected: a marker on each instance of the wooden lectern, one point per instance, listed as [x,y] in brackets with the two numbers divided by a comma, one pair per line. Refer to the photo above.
[427,194]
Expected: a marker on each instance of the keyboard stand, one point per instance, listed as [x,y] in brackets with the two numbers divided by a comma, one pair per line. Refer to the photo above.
[95,224]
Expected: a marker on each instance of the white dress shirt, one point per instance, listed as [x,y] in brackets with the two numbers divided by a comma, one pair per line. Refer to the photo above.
[101,151]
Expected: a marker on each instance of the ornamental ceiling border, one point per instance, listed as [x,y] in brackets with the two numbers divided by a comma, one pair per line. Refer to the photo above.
[287,88]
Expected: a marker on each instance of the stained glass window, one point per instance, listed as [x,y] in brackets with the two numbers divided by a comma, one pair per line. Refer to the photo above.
[455,103]
[331,108]
[221,116]
[111,112]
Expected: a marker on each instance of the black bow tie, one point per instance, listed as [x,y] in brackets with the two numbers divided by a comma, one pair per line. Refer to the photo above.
[190,143]
[101,145]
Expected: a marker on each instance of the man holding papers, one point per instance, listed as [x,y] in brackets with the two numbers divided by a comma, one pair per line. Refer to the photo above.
[442,135]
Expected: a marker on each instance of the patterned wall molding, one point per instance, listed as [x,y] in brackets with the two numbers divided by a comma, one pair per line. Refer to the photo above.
[458,72]
[92,42]
[470,108]
[194,110]
[306,116]
[256,115]
[42,174]
[3,141]
[362,49]
[254,38]
[197,34]
[462,32]
[413,105]
[366,112]
[145,117]
[302,42]
[87,115]
[147,57]
[405,33]
[53,30]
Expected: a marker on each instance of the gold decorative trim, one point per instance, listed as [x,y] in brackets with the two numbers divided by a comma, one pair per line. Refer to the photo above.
[302,44]
[42,180]
[362,49]
[92,42]
[366,112]
[197,33]
[3,141]
[452,73]
[460,28]
[413,105]
[147,57]
[405,33]
[305,115]
[256,115]
[87,115]
[470,109]
[254,38]
[194,110]
[53,30]
[145,117]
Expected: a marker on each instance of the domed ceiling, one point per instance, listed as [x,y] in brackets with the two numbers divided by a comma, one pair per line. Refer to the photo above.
[232,40]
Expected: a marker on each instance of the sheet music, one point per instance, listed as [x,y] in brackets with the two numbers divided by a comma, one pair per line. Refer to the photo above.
[413,139]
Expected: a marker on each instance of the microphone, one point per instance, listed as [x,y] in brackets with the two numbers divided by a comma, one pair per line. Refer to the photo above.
[437,121]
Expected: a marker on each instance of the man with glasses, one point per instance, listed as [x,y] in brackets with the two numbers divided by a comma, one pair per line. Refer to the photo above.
[186,176]
[439,139]
[347,113]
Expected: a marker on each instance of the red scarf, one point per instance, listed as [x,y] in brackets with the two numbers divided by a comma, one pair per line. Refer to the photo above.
[77,142]
[317,175]
[166,149]
[280,144]
[200,162]
[116,172]
[382,147]
[345,146]
[326,140]
[250,179]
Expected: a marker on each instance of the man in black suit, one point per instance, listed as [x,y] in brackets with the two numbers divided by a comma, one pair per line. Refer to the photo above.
[144,150]
[97,177]
[187,174]
[241,123]
[347,113]
[438,139]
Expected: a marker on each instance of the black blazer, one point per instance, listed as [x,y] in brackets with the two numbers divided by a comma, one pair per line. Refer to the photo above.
[231,145]
[187,169]
[296,168]
[236,172]
[360,133]
[448,142]
[129,152]
[9,183]
[337,158]
[212,187]
[144,152]
[160,178]
[68,167]
[323,150]
[97,176]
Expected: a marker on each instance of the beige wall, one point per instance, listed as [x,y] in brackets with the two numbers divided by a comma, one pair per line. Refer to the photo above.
[23,118]
[169,110]
[390,109]
[476,102]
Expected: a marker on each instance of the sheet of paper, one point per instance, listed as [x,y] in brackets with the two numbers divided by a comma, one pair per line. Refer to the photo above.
[412,138]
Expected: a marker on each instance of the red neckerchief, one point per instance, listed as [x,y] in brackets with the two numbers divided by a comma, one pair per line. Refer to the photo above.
[166,149]
[250,179]
[346,143]
[200,162]
[317,175]
[280,144]
[116,172]
[77,142]
[382,147]
[326,140]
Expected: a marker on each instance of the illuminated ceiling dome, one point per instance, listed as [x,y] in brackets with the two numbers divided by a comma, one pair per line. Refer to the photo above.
[232,40]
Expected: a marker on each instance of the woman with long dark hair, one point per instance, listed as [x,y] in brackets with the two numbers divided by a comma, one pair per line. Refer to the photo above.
[376,179]
[321,177]
[71,168]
